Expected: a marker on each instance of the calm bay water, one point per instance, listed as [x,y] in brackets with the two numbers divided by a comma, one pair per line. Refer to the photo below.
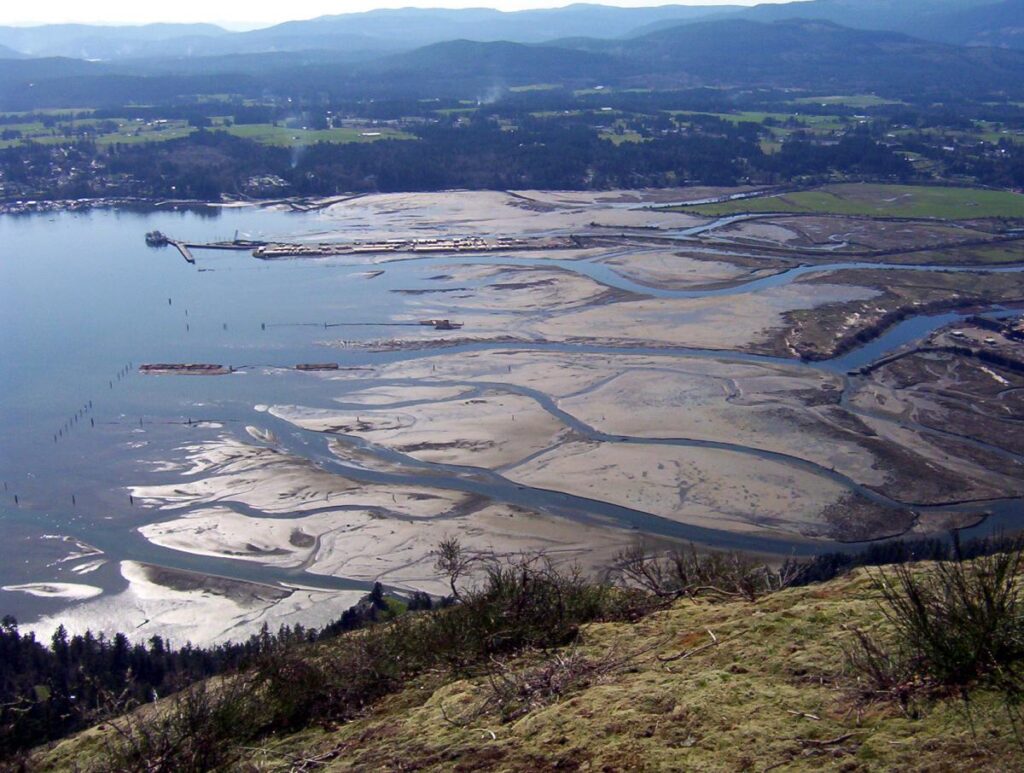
[84,302]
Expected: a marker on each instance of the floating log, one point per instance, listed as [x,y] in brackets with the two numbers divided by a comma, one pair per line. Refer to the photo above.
[317,366]
[185,369]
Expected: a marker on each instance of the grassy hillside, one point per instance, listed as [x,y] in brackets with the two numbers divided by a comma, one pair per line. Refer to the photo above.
[697,685]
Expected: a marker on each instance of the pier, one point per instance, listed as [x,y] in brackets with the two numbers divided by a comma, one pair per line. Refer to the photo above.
[186,253]
[160,239]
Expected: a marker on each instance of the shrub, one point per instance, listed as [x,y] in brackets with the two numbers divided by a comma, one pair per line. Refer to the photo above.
[197,730]
[955,625]
[963,621]
[687,572]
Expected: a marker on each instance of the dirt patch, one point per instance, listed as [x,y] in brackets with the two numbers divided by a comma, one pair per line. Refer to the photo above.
[827,331]
[855,519]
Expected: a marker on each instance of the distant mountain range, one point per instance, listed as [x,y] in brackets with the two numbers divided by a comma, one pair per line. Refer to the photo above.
[10,53]
[964,22]
[811,54]
[83,41]
[732,50]
[379,32]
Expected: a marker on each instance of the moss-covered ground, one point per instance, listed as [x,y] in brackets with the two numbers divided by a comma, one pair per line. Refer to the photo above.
[774,693]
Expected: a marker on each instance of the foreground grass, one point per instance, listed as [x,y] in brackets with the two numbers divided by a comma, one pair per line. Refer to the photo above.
[910,201]
[737,685]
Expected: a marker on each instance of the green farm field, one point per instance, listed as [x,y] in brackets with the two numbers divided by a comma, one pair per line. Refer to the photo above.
[879,201]
[284,136]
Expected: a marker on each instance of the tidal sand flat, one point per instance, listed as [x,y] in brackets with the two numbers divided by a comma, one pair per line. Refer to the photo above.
[704,487]
[642,373]
[62,590]
[404,215]
[369,533]
[677,270]
[277,483]
[396,550]
[490,429]
[185,607]
[791,410]
[588,313]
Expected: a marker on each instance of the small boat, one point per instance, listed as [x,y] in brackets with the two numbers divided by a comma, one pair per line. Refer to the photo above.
[441,324]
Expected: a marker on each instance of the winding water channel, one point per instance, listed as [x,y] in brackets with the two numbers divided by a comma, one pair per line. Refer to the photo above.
[84,300]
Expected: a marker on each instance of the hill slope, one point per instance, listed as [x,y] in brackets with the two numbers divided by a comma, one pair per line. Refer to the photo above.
[10,53]
[811,54]
[771,689]
[977,22]
[996,24]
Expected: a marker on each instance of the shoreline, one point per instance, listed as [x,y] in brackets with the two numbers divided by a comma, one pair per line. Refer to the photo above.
[494,433]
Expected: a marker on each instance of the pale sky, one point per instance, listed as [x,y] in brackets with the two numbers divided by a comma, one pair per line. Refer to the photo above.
[249,13]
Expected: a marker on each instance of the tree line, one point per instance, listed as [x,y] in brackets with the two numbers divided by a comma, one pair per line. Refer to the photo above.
[50,689]
[480,154]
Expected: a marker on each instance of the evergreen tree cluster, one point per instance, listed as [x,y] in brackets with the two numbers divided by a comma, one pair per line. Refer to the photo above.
[48,690]
[480,154]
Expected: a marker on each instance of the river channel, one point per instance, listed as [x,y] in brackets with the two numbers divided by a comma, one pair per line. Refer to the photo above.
[83,302]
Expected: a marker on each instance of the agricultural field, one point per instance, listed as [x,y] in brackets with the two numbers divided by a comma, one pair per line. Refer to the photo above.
[911,201]
[848,100]
[285,136]
[788,121]
[618,138]
[982,132]
[107,131]
[110,131]
[535,87]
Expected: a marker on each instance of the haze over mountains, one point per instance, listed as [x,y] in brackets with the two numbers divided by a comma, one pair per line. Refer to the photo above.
[966,22]
[894,47]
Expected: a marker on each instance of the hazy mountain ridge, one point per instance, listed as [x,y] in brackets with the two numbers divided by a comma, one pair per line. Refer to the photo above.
[385,31]
[981,22]
[10,53]
[85,41]
[813,53]
[796,53]
[791,54]
[998,24]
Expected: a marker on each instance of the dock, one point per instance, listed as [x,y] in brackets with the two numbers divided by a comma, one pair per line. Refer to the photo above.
[232,244]
[159,239]
[186,253]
